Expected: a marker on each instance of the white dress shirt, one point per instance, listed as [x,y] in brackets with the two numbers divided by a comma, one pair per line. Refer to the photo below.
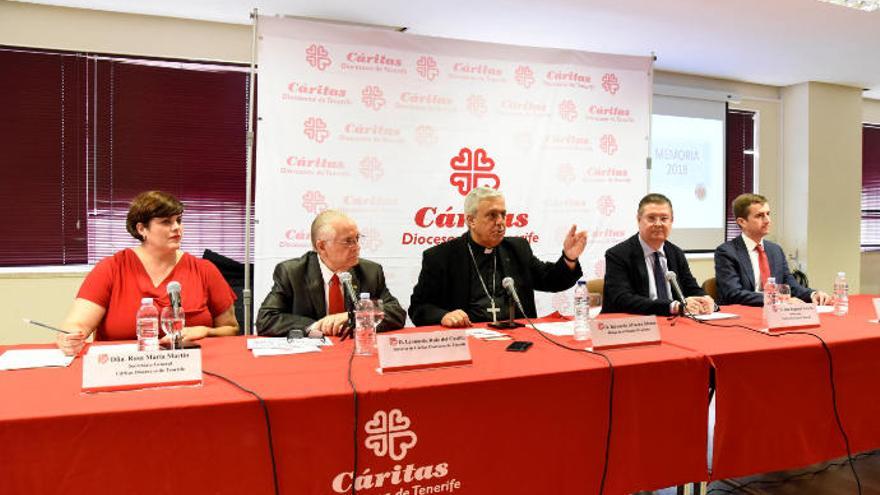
[649,265]
[756,264]
[327,274]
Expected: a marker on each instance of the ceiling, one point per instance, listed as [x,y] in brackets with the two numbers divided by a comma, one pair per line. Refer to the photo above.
[774,42]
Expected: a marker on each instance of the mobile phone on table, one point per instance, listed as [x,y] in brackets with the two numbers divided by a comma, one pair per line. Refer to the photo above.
[519,346]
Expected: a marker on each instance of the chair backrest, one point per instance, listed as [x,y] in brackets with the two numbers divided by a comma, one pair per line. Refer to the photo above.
[233,272]
[596,285]
[711,288]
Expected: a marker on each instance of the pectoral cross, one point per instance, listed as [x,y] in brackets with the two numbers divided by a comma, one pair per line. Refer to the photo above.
[494,310]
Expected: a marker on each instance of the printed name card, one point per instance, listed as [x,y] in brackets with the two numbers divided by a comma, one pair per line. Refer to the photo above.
[620,332]
[106,371]
[790,316]
[410,351]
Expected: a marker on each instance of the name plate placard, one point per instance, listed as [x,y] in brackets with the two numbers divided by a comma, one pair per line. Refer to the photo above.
[106,371]
[410,351]
[620,332]
[790,316]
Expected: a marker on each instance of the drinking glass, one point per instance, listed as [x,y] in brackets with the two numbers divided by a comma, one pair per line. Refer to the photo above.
[595,299]
[784,293]
[378,311]
[172,324]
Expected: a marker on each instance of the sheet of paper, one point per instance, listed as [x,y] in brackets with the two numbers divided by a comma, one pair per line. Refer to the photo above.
[716,316]
[112,348]
[557,328]
[486,334]
[284,352]
[824,309]
[283,343]
[18,359]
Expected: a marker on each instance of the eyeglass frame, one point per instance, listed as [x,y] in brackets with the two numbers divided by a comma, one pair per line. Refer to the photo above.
[350,243]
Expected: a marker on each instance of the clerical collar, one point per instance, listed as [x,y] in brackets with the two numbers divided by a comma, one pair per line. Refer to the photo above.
[478,248]
[493,308]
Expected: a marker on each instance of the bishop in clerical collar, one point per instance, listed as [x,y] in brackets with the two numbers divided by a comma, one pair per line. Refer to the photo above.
[456,291]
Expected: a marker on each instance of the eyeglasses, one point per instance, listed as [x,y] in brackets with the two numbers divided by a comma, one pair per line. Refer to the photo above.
[350,242]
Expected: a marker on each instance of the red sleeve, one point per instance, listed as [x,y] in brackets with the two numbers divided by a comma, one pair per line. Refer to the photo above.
[98,284]
[220,295]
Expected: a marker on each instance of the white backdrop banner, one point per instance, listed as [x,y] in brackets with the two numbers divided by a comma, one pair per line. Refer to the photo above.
[395,129]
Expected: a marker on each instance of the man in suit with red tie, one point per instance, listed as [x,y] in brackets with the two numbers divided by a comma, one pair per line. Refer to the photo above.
[743,264]
[307,294]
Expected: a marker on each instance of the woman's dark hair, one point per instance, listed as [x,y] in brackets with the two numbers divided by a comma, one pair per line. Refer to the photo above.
[148,205]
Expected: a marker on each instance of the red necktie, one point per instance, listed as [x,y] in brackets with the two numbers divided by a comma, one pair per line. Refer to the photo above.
[336,305]
[763,265]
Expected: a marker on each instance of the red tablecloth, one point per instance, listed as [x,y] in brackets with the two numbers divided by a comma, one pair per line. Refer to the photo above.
[773,403]
[513,423]
[54,439]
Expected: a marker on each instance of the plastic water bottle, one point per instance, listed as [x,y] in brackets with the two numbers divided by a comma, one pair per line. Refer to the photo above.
[364,326]
[841,295]
[147,326]
[771,297]
[581,311]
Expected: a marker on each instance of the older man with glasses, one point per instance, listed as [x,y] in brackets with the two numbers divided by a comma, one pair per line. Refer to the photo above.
[307,294]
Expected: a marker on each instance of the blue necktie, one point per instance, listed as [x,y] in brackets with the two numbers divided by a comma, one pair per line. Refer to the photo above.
[659,278]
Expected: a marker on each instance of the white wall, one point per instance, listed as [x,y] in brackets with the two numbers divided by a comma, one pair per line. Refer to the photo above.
[41,26]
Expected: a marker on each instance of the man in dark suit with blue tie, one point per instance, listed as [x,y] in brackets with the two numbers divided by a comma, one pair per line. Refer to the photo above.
[743,264]
[635,269]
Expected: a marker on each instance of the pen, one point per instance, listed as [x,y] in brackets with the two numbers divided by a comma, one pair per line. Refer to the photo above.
[32,322]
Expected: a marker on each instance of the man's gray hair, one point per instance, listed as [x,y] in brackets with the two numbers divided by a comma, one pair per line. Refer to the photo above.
[477,194]
[322,228]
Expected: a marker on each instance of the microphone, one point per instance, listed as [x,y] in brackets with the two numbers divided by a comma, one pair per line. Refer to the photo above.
[672,278]
[345,278]
[174,295]
[508,284]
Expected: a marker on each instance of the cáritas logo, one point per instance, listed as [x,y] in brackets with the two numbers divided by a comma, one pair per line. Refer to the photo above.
[316,129]
[605,205]
[610,83]
[568,110]
[388,434]
[426,135]
[318,57]
[314,202]
[427,68]
[472,168]
[371,168]
[524,76]
[373,97]
[477,106]
[608,144]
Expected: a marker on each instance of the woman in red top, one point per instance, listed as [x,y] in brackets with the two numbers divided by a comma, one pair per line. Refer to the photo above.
[110,295]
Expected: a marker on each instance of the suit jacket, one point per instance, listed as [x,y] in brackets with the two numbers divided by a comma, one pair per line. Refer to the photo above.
[736,280]
[626,279]
[445,280]
[297,296]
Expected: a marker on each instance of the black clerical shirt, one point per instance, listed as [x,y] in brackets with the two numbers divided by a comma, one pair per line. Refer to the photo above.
[480,302]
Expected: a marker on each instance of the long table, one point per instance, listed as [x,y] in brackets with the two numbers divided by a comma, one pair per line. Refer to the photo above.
[774,408]
[515,423]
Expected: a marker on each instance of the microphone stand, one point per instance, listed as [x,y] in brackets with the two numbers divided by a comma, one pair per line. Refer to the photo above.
[348,332]
[511,314]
